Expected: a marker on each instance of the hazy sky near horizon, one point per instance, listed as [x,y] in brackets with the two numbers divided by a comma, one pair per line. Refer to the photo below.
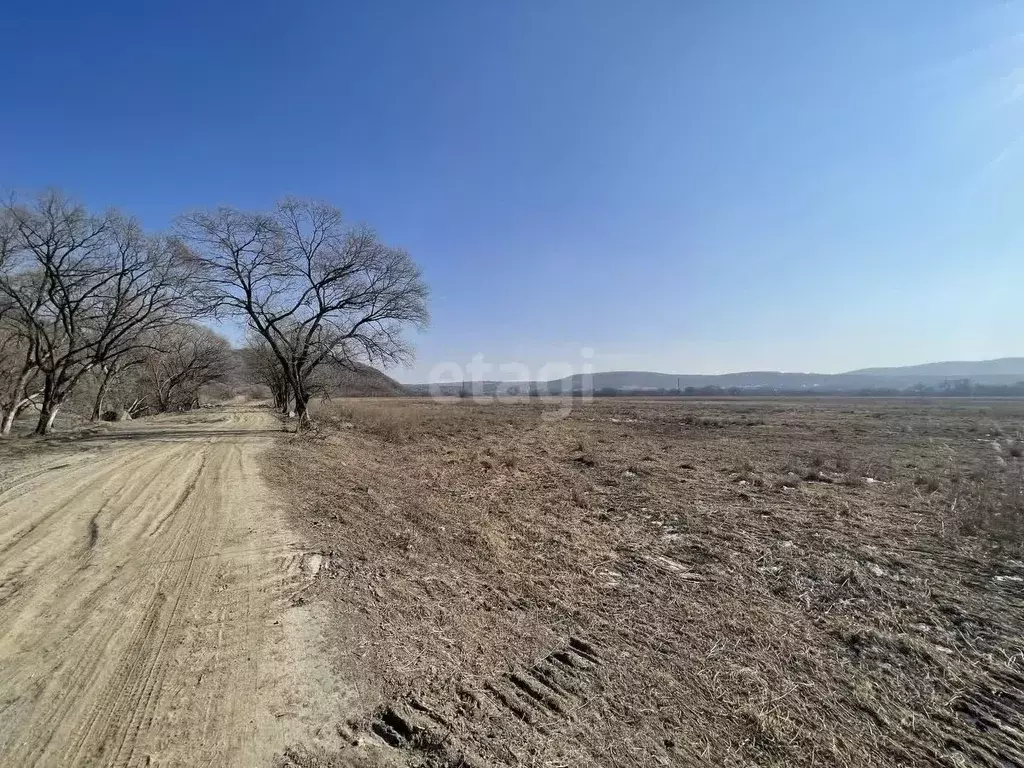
[692,187]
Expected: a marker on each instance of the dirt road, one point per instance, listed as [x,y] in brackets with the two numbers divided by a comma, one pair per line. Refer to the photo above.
[148,592]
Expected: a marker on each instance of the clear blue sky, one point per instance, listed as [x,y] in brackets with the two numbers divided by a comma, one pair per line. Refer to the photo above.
[682,186]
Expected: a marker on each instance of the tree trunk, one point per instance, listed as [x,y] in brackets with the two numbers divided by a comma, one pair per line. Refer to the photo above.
[284,398]
[47,414]
[19,401]
[12,414]
[302,409]
[50,418]
[163,399]
[97,408]
[52,400]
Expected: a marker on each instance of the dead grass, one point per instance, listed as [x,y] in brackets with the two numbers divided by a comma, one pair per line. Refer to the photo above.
[672,583]
[988,502]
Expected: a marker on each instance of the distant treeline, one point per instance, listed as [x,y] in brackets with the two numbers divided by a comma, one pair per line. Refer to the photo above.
[949,388]
[958,388]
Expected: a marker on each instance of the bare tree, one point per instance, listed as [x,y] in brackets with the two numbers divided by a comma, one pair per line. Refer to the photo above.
[188,356]
[149,290]
[18,353]
[313,287]
[18,373]
[52,272]
[114,370]
[84,288]
[262,366]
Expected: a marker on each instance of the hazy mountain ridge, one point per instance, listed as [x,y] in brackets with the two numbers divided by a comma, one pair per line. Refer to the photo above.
[962,369]
[999,372]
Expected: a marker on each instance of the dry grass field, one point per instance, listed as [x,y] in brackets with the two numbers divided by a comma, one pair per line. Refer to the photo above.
[645,583]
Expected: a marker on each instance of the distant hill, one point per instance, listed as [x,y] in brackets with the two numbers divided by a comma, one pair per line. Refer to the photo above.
[648,380]
[1001,372]
[362,381]
[956,369]
[339,381]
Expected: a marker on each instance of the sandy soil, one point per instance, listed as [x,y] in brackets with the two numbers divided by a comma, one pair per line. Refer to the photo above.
[150,602]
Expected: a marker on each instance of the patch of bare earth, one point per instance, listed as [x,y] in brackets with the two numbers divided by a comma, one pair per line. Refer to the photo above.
[149,597]
[669,582]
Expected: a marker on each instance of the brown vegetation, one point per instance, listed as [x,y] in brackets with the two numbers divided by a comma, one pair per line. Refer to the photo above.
[669,583]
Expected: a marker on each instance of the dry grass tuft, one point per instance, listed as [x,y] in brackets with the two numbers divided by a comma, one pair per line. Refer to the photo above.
[988,502]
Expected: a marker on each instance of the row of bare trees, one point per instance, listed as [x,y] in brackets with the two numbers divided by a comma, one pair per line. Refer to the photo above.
[313,291]
[164,373]
[87,296]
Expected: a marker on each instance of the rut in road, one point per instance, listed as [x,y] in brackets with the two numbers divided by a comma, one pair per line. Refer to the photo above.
[144,603]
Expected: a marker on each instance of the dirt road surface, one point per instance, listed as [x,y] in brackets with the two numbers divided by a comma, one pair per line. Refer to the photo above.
[148,602]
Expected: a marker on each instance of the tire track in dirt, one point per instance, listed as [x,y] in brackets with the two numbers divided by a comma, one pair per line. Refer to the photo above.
[144,607]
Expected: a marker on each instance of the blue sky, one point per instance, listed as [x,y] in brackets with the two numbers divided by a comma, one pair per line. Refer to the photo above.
[680,186]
